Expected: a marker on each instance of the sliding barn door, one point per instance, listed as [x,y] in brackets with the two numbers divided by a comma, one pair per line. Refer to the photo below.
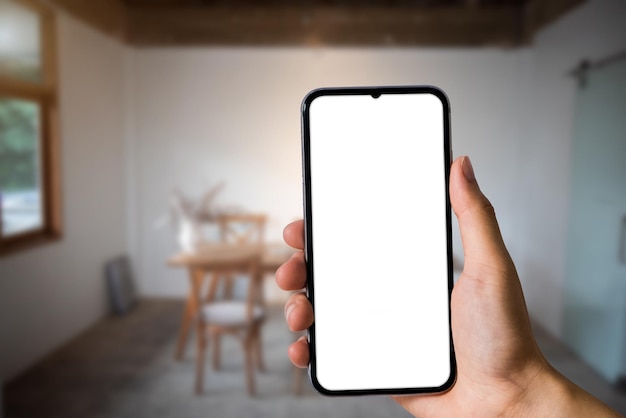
[595,302]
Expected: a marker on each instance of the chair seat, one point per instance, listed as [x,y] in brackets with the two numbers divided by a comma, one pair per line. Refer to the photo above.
[230,313]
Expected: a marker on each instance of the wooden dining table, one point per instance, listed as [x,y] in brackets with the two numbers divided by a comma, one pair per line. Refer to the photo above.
[218,258]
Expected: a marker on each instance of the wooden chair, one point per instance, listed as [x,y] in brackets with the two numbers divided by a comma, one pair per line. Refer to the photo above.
[240,229]
[226,314]
[242,318]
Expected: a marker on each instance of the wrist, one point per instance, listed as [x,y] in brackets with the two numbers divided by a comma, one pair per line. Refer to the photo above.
[545,393]
[550,394]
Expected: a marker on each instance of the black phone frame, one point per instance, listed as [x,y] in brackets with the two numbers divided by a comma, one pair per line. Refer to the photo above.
[375,92]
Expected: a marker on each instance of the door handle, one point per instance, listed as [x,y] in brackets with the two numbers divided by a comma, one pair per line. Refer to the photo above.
[622,242]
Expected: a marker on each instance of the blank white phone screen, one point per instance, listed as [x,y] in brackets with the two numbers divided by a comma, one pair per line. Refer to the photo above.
[379,241]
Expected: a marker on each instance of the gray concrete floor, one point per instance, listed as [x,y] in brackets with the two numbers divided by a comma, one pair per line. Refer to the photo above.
[125,367]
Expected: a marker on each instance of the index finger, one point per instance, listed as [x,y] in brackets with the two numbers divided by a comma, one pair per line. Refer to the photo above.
[294,234]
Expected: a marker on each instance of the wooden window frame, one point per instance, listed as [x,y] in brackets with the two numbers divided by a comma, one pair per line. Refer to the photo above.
[45,94]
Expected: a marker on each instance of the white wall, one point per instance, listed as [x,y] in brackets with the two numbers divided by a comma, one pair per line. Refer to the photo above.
[50,293]
[233,114]
[593,31]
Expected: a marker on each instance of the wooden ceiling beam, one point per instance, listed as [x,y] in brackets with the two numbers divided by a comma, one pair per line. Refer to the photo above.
[326,25]
[540,13]
[426,23]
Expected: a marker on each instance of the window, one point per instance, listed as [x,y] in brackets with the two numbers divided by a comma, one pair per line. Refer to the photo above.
[29,172]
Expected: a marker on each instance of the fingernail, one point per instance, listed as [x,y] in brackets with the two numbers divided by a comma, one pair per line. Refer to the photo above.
[468,170]
[288,310]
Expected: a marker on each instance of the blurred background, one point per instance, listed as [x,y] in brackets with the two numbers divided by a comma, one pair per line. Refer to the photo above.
[150,157]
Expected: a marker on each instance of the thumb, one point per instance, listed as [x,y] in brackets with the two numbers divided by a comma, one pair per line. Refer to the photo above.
[483,246]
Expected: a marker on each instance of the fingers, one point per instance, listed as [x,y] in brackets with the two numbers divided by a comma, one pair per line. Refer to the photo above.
[292,274]
[294,234]
[298,309]
[298,312]
[299,353]
[482,241]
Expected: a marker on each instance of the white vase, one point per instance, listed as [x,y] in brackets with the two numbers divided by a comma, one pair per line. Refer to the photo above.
[190,235]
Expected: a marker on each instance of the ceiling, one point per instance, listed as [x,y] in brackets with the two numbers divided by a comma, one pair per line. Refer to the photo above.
[400,23]
[315,3]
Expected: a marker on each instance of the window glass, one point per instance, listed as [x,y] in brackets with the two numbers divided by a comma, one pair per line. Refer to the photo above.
[20,49]
[20,166]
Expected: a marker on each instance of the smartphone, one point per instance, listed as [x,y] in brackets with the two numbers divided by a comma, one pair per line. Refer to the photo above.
[378,245]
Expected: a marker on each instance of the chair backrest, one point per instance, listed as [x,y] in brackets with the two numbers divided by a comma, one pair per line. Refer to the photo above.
[242,228]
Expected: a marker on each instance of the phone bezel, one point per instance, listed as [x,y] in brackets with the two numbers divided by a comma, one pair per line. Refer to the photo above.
[375,92]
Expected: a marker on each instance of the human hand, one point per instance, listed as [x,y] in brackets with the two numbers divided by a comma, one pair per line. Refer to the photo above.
[501,371]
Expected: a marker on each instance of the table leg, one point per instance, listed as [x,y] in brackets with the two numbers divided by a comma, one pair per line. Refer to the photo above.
[185,324]
[187,319]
